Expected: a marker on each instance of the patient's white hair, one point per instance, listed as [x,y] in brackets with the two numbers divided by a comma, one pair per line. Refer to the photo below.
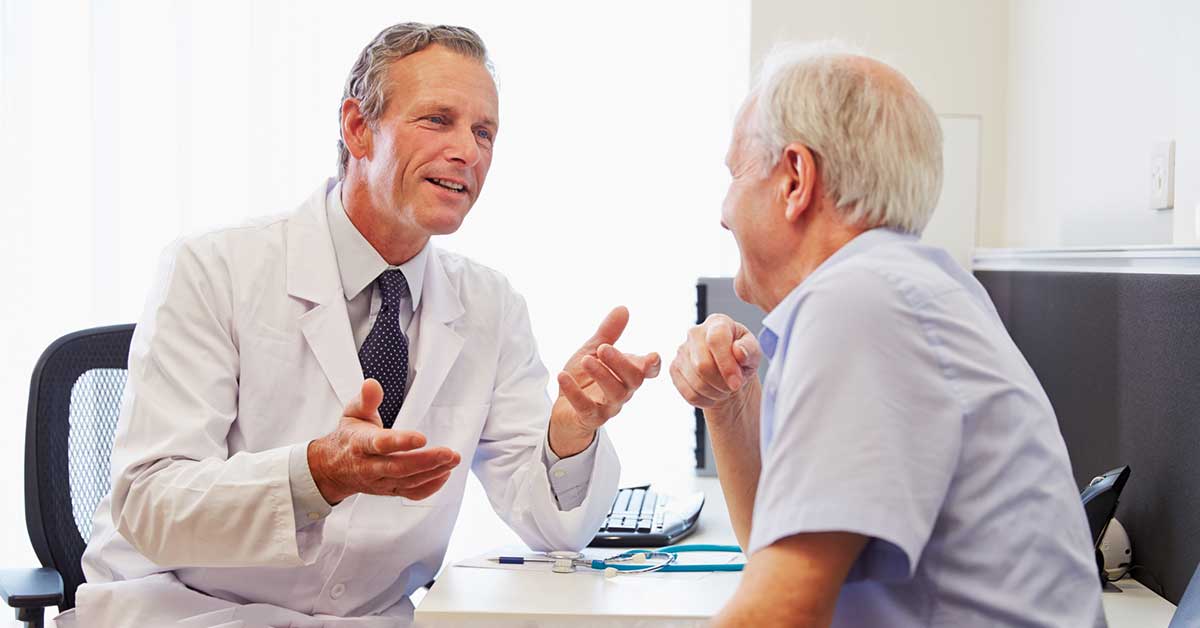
[877,143]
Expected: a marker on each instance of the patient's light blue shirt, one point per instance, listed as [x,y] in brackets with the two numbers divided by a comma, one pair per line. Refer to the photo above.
[897,407]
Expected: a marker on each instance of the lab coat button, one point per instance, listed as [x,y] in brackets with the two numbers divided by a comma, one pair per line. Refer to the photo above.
[337,590]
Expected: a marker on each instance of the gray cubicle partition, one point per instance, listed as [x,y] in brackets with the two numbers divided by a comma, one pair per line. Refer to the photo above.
[1119,356]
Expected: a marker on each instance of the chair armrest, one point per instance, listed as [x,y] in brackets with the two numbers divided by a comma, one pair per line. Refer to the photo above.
[31,588]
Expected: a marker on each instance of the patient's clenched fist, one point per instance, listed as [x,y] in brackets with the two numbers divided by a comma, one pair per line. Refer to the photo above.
[715,362]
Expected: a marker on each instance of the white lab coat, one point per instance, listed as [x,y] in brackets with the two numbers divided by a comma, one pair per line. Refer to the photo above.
[244,350]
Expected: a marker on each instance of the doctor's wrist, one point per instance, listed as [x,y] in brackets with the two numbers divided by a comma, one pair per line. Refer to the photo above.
[329,487]
[568,440]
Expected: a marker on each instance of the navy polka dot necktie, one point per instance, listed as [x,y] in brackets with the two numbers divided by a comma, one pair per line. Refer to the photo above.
[384,354]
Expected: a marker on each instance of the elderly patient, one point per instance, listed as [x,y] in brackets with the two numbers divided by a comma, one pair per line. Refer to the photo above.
[900,465]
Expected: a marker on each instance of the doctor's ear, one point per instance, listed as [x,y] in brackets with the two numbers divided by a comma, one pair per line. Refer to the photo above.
[800,180]
[356,132]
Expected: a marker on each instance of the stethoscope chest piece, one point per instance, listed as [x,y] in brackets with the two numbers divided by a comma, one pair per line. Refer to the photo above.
[564,561]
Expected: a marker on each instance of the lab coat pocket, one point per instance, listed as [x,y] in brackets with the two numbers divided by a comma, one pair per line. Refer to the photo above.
[456,427]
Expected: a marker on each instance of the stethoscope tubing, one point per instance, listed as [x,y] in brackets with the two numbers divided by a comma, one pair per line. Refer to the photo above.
[669,566]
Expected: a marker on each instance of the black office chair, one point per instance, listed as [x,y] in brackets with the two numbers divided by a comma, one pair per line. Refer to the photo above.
[1100,498]
[74,401]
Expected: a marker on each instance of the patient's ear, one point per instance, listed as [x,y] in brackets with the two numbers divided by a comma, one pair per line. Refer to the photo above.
[800,180]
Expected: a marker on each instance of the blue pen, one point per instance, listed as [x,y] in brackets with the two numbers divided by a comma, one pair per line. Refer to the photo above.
[519,560]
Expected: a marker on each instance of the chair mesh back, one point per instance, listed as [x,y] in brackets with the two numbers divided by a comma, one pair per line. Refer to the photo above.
[95,406]
[74,401]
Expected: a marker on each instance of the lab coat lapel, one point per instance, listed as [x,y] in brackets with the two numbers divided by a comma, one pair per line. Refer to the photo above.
[312,276]
[438,344]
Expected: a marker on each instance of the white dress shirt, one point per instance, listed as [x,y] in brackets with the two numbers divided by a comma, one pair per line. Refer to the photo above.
[359,264]
[896,406]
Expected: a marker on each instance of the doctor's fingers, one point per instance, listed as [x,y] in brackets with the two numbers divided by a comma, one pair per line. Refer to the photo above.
[613,388]
[588,409]
[424,490]
[409,463]
[631,369]
[366,405]
[609,331]
[387,485]
[381,442]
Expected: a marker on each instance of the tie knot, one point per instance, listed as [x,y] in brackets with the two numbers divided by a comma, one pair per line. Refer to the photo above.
[393,286]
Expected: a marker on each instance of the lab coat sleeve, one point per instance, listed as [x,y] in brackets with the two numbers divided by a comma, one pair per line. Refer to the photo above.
[509,459]
[177,495]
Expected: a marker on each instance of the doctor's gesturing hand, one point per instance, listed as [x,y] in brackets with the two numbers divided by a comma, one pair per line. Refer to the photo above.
[595,383]
[361,456]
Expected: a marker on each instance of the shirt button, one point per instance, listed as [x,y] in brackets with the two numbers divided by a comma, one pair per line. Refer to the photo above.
[313,516]
[337,590]
[558,473]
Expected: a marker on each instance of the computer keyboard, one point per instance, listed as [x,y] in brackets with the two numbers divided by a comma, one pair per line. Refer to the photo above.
[642,517]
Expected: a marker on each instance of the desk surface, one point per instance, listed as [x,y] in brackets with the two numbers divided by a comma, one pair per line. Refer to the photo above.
[495,597]
[498,597]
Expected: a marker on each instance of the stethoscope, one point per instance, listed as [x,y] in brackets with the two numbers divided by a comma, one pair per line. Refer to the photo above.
[632,561]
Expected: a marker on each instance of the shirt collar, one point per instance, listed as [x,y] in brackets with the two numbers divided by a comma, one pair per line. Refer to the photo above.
[359,264]
[776,321]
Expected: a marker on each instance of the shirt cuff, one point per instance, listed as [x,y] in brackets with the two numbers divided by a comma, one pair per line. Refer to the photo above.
[570,476]
[307,504]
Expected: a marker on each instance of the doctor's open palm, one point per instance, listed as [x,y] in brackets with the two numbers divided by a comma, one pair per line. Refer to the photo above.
[361,456]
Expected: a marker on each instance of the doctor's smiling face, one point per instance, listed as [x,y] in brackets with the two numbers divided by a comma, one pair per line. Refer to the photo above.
[417,170]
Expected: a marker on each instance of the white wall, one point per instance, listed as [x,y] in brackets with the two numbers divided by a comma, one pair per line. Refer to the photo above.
[1090,86]
[954,51]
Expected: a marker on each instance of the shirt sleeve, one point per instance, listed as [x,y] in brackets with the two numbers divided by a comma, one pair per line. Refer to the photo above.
[866,428]
[569,477]
[307,503]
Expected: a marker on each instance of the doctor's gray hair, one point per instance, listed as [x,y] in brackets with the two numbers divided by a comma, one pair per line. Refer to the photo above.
[876,141]
[367,81]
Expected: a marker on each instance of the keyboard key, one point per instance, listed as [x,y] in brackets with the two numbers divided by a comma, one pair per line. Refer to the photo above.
[635,501]
[648,504]
[622,526]
[621,506]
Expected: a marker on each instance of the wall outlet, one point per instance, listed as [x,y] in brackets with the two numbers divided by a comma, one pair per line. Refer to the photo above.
[1162,175]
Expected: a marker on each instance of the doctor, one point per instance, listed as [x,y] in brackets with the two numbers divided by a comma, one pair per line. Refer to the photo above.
[306,392]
